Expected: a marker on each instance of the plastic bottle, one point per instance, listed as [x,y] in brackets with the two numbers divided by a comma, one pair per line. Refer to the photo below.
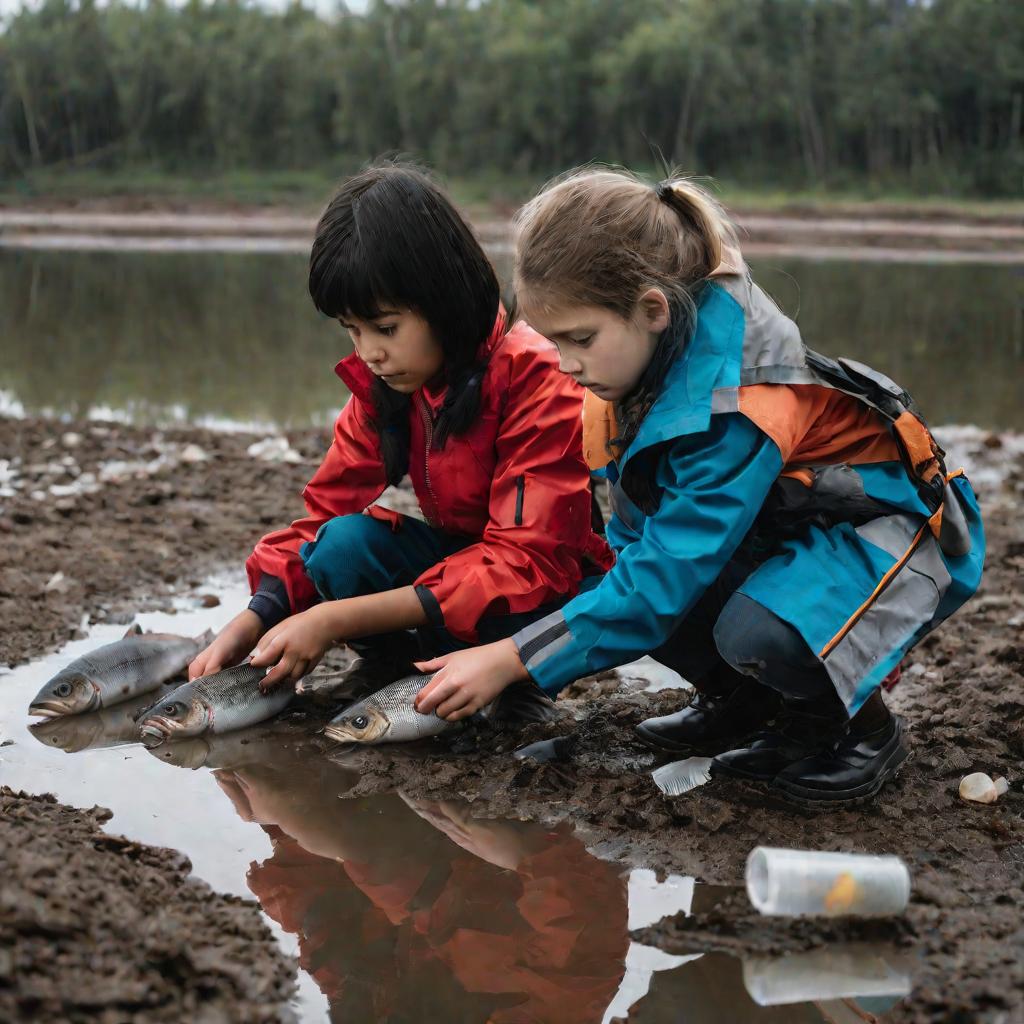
[802,883]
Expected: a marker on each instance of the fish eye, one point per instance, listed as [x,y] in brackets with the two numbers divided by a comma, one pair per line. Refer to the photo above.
[170,709]
[360,722]
[63,690]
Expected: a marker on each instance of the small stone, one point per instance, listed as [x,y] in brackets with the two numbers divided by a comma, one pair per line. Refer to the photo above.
[209,600]
[71,439]
[993,441]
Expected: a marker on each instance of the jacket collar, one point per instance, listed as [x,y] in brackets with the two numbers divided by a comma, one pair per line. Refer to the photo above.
[358,378]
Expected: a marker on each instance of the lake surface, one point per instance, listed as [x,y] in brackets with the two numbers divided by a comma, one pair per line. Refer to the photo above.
[198,337]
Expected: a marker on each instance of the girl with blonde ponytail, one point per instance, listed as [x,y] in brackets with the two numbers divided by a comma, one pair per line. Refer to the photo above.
[784,524]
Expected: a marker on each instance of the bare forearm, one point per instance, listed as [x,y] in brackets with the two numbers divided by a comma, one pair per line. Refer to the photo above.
[375,613]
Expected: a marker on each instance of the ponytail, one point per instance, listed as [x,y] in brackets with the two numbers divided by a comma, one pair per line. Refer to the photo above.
[705,227]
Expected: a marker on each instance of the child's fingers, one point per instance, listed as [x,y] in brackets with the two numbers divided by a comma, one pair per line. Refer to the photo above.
[278,672]
[431,694]
[267,654]
[434,665]
[456,701]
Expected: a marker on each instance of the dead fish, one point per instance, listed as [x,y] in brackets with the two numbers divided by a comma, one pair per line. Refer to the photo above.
[390,715]
[219,703]
[137,663]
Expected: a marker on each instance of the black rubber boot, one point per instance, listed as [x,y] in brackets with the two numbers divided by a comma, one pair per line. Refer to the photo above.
[801,729]
[852,769]
[717,718]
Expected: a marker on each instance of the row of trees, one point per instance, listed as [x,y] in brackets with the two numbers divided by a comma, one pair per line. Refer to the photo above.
[908,93]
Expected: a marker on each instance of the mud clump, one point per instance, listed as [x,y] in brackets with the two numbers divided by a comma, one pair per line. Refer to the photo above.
[95,926]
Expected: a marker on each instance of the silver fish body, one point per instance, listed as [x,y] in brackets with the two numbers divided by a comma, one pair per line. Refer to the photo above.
[135,664]
[219,703]
[389,716]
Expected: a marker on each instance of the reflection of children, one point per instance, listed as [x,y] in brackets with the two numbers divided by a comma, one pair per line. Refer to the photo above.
[472,408]
[507,922]
[784,526]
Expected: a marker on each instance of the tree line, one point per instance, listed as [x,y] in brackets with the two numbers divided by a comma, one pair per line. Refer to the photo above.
[915,95]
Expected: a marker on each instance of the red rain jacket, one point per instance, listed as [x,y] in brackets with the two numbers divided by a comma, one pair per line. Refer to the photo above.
[515,482]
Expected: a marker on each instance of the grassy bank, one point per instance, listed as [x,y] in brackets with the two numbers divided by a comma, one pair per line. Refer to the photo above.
[305,191]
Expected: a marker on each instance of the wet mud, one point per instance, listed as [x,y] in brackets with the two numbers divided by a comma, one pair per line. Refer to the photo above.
[96,927]
[962,694]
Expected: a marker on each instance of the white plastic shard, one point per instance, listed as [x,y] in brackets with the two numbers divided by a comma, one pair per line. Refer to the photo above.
[979,788]
[681,776]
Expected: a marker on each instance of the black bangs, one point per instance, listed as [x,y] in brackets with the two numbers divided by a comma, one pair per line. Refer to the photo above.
[389,238]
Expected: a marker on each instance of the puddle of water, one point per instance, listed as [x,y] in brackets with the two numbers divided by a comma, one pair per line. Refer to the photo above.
[400,908]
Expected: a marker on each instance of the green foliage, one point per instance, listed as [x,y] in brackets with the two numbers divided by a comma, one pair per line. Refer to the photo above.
[820,94]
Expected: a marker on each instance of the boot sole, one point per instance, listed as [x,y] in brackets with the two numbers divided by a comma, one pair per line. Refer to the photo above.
[807,797]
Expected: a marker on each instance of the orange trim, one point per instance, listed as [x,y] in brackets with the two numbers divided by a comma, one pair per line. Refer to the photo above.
[919,445]
[805,476]
[883,583]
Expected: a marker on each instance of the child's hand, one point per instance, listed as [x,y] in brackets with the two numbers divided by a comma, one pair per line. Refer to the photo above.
[229,647]
[294,647]
[468,680]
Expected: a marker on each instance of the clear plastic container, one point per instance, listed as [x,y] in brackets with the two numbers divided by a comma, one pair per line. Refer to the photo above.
[805,883]
[834,972]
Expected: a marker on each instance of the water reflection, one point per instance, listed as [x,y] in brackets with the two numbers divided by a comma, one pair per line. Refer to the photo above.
[412,910]
[227,335]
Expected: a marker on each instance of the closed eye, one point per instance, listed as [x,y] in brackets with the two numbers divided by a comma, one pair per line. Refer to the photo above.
[388,330]
[581,342]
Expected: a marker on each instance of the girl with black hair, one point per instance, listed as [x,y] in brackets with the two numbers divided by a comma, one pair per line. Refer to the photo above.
[472,408]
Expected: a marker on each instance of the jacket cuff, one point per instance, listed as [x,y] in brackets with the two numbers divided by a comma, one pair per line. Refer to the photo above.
[431,606]
[270,602]
[549,652]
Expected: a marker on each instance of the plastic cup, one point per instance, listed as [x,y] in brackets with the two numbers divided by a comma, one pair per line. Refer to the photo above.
[811,883]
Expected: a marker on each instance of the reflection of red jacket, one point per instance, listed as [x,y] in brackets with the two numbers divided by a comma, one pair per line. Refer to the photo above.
[515,481]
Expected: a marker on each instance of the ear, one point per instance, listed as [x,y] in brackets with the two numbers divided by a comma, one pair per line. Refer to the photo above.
[653,310]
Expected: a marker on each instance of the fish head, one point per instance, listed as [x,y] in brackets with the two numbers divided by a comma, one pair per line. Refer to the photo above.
[69,692]
[361,723]
[175,718]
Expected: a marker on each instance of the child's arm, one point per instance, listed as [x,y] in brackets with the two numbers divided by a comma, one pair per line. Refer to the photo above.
[294,647]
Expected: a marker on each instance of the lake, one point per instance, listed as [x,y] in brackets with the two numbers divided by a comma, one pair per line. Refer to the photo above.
[196,337]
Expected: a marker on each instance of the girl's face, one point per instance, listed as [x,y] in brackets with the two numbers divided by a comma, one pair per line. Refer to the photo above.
[398,346]
[599,349]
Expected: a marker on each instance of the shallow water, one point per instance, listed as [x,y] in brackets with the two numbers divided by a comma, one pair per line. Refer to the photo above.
[402,909]
[162,337]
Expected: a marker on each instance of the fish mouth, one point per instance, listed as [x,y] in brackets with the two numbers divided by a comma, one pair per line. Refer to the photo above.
[157,728]
[48,709]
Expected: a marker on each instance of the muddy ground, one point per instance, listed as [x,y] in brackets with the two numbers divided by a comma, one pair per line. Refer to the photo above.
[92,515]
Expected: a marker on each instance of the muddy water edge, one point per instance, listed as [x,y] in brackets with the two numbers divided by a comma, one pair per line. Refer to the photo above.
[157,525]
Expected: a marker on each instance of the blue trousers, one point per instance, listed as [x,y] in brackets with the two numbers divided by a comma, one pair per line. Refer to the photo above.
[356,555]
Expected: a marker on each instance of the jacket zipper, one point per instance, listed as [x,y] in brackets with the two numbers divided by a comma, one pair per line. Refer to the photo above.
[428,424]
[520,489]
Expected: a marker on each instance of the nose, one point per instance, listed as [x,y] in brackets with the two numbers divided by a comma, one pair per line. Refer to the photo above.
[568,363]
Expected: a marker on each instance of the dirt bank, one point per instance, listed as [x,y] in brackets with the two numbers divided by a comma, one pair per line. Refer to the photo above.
[96,927]
[93,514]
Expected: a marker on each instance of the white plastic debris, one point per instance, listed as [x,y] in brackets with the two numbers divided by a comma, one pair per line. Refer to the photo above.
[979,788]
[814,883]
[193,453]
[681,776]
[273,449]
[55,582]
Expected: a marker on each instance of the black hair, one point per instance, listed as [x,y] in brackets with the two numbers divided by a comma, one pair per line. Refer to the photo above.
[390,237]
